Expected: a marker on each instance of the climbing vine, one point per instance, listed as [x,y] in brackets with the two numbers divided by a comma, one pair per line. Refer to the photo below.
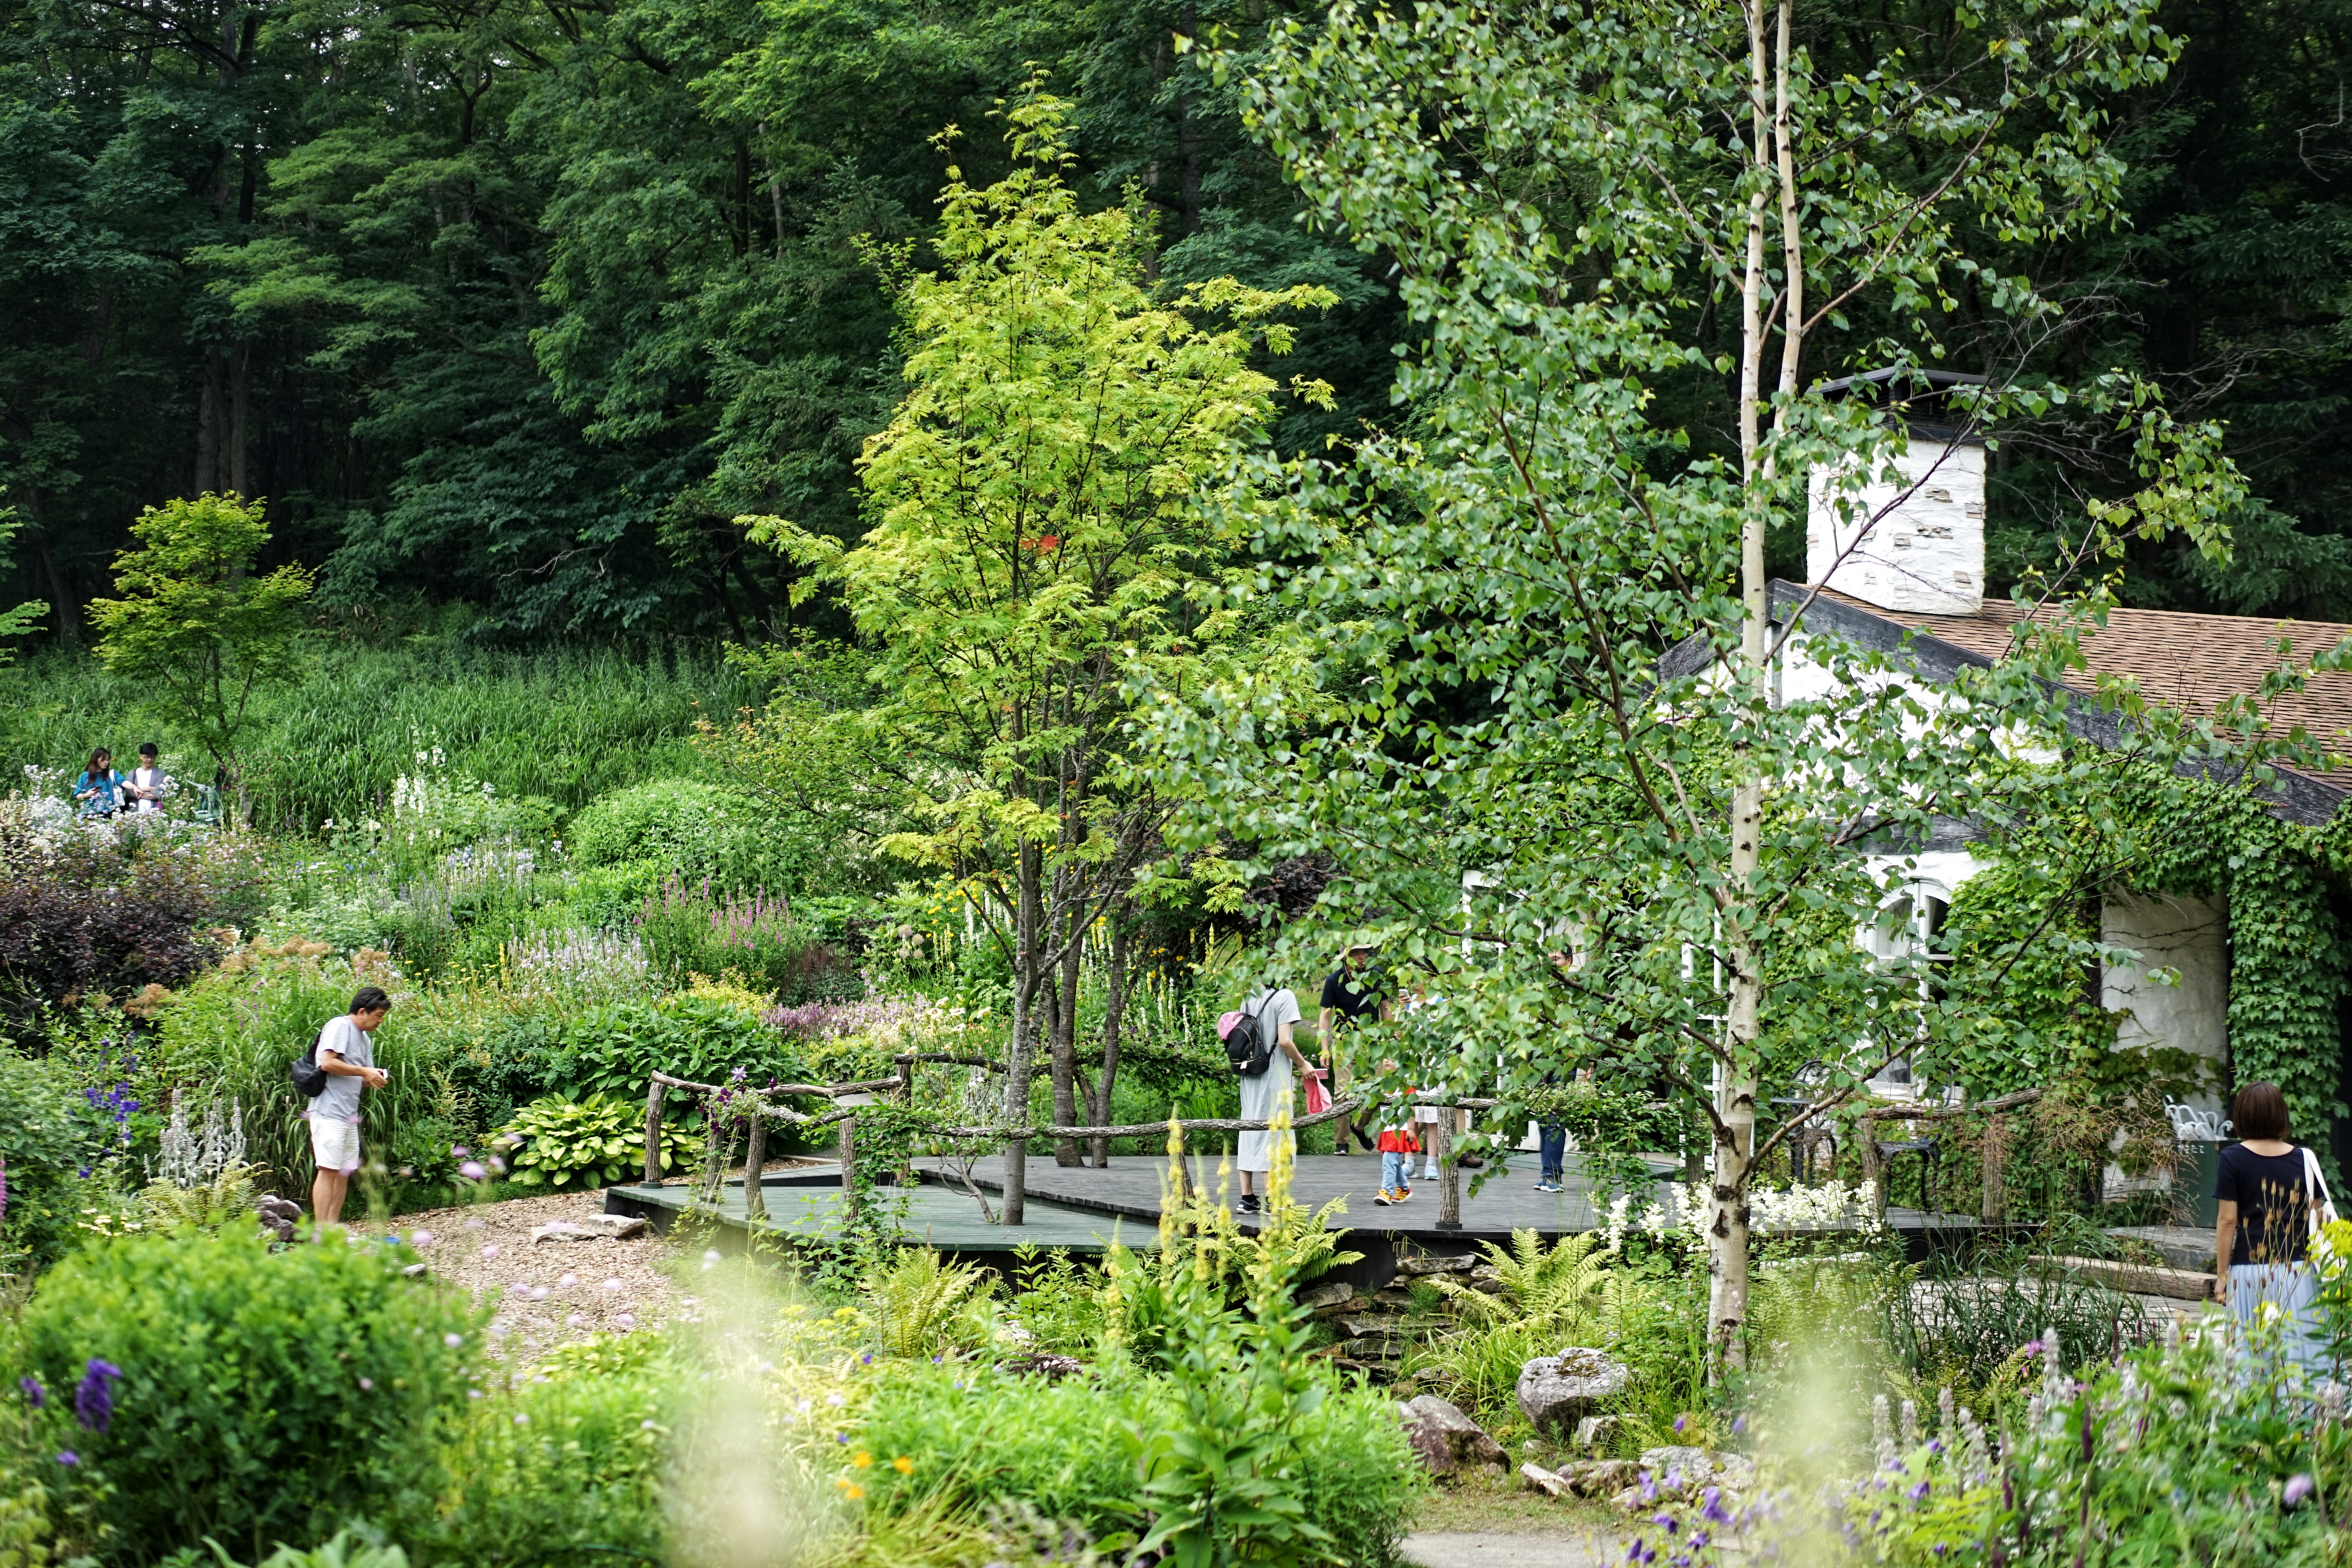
[2024,938]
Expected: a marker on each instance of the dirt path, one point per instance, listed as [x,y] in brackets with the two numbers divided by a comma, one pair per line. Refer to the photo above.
[550,1292]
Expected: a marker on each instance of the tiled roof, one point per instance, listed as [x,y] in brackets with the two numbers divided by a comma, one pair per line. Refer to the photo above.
[2187,661]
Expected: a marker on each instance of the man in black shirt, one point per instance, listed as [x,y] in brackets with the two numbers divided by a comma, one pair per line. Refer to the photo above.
[1347,996]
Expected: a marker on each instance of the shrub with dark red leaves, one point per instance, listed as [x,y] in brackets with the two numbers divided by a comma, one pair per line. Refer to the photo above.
[58,944]
[86,912]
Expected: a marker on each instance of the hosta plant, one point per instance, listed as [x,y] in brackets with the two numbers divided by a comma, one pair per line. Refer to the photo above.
[591,1143]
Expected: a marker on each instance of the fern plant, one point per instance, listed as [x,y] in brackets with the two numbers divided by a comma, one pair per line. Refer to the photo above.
[1564,1294]
[920,1305]
[1541,1287]
[206,1206]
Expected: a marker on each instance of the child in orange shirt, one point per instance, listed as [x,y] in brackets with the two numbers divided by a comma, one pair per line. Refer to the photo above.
[1397,1146]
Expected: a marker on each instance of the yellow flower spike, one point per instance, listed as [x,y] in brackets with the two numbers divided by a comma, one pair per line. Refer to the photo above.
[862,1459]
[903,1465]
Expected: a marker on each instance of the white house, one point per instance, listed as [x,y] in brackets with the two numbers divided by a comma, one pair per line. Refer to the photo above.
[1919,569]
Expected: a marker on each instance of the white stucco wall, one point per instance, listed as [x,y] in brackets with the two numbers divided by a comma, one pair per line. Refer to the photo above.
[2188,941]
[2187,937]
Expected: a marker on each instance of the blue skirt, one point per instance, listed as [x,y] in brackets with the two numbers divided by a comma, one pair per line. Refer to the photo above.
[2276,1306]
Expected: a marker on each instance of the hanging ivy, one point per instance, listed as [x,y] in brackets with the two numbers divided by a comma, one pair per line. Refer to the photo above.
[2020,943]
[2023,993]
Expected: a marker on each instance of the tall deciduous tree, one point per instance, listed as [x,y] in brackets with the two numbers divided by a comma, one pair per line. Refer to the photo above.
[1607,217]
[195,627]
[1036,552]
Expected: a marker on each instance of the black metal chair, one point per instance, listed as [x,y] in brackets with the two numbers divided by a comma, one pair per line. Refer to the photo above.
[1817,1133]
[1930,1149]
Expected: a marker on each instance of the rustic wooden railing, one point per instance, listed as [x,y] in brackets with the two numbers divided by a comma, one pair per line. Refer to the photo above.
[750,1101]
[1993,1206]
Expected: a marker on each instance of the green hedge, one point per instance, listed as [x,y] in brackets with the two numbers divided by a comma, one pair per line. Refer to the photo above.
[263,1397]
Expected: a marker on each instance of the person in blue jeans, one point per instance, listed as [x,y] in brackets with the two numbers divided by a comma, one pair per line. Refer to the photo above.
[1554,1142]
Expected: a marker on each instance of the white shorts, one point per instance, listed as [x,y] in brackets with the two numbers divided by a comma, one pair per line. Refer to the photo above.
[334,1144]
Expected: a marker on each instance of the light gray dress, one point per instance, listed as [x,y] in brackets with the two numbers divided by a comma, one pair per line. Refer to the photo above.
[1275,1087]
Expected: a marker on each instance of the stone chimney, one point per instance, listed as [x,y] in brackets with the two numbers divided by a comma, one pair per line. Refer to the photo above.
[1926,550]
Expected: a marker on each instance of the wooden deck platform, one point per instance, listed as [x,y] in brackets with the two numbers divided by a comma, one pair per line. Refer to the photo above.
[1083,1209]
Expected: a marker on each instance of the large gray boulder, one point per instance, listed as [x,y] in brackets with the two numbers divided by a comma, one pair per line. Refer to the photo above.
[1447,1439]
[1557,1390]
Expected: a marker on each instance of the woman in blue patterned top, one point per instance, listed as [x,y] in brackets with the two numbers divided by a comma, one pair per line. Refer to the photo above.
[99,791]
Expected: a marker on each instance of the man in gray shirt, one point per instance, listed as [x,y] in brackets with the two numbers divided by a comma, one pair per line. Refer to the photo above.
[348,1059]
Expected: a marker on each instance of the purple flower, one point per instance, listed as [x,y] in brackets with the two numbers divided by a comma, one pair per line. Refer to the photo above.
[35,1395]
[472,1170]
[1680,1422]
[2298,1487]
[2032,1347]
[94,1396]
[1712,1509]
[1920,1492]
[68,1457]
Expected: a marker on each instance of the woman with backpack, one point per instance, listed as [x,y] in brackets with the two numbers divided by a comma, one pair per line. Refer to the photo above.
[1273,1014]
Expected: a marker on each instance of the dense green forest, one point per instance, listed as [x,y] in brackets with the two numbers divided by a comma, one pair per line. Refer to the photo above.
[509,308]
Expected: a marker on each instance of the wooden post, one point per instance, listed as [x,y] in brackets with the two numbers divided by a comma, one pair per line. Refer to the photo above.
[1872,1170]
[1996,1195]
[848,1168]
[755,1154]
[1449,1178]
[653,1132]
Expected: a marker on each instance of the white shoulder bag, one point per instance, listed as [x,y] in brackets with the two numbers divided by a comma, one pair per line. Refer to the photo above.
[2322,1211]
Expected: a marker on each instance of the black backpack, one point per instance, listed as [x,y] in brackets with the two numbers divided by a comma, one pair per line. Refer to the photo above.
[1249,1043]
[308,1075]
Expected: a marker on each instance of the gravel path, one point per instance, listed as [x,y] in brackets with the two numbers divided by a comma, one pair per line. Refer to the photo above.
[549,1292]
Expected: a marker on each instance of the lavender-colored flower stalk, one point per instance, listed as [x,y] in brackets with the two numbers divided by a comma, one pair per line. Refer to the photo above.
[94,1395]
[35,1395]
[2298,1487]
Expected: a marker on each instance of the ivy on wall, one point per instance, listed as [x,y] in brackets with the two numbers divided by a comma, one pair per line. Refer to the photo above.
[2021,939]
[2287,958]
[2020,944]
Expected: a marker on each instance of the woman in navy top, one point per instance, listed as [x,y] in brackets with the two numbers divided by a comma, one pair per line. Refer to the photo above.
[2262,1237]
[99,791]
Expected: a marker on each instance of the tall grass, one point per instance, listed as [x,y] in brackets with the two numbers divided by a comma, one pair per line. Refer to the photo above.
[568,723]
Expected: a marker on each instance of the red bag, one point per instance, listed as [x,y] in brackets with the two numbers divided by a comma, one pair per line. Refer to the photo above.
[1318,1098]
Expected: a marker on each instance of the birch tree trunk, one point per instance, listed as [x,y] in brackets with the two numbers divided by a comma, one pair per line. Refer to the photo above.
[1771,164]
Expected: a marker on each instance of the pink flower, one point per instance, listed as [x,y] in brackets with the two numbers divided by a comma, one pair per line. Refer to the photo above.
[472,1170]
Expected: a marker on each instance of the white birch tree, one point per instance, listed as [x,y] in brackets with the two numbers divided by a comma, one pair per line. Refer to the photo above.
[1636,240]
